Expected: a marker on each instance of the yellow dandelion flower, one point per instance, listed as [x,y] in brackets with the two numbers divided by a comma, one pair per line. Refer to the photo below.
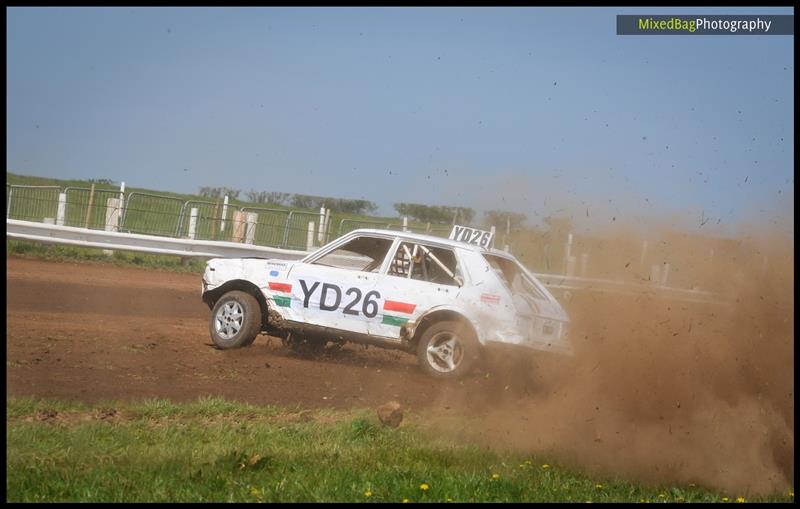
[791,493]
[692,485]
[424,487]
[405,500]
[662,495]
[253,490]
[449,499]
[495,476]
[527,462]
[545,466]
[740,499]
[521,465]
[725,499]
[598,486]
[368,493]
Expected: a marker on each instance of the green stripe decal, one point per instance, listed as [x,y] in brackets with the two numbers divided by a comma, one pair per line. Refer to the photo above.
[394,320]
[282,301]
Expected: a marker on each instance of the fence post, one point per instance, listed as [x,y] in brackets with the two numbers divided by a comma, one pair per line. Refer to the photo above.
[224,213]
[238,226]
[664,275]
[405,223]
[112,219]
[250,227]
[492,230]
[285,241]
[192,222]
[569,250]
[584,263]
[62,208]
[326,237]
[310,238]
[571,262]
[655,273]
[8,208]
[89,207]
[321,222]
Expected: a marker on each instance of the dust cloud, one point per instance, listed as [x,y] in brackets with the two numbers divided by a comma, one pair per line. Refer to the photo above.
[661,391]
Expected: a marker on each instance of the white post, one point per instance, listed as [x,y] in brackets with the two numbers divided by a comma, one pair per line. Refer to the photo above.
[664,275]
[327,225]
[112,219]
[571,266]
[62,207]
[238,226]
[584,263]
[569,250]
[250,228]
[405,223]
[121,194]
[493,230]
[192,223]
[655,272]
[321,223]
[310,238]
[224,214]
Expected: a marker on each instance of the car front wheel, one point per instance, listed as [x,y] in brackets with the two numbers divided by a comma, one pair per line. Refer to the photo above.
[447,349]
[235,320]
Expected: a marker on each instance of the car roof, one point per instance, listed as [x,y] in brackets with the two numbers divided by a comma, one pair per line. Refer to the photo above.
[430,238]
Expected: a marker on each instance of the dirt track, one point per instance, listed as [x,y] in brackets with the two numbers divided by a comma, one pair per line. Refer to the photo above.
[97,332]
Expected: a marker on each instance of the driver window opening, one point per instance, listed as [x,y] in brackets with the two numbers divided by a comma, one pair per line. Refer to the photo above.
[425,263]
[364,254]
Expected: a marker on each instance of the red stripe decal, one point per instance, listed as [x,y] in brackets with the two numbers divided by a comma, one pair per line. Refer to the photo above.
[280,287]
[402,307]
[493,299]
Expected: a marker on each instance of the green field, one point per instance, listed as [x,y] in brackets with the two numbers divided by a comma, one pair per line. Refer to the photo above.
[217,450]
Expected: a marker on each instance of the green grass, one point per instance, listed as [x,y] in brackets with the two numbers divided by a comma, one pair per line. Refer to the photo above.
[218,450]
[64,253]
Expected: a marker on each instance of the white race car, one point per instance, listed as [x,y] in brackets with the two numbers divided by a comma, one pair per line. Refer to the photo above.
[445,300]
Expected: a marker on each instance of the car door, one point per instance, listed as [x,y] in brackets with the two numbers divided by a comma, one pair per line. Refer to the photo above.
[337,290]
[420,276]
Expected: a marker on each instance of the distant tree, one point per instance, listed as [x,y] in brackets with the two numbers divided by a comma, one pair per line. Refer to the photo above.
[435,213]
[219,192]
[500,219]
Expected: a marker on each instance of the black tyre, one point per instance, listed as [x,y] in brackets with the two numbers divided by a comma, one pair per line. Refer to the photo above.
[448,350]
[235,320]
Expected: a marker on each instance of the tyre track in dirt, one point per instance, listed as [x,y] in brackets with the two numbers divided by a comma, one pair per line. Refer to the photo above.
[97,332]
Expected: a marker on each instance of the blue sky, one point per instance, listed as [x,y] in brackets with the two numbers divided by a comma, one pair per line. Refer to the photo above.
[536,110]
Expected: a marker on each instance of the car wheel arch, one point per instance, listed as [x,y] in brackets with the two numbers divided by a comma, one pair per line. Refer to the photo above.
[211,297]
[438,315]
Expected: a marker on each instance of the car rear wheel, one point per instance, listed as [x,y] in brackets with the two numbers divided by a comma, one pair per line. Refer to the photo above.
[447,350]
[235,320]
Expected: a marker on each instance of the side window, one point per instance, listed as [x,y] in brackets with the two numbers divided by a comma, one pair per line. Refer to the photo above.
[425,263]
[365,254]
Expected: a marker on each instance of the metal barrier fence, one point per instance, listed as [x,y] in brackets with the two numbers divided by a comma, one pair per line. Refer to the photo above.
[207,224]
[86,207]
[152,214]
[32,203]
[145,213]
[269,226]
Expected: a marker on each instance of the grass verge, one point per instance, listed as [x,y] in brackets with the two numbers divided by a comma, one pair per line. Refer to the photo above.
[218,450]
[62,253]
